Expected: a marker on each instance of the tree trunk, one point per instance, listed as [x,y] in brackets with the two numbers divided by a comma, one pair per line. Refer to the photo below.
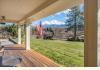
[75,29]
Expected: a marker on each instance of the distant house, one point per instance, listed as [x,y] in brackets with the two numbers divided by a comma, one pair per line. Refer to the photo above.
[61,33]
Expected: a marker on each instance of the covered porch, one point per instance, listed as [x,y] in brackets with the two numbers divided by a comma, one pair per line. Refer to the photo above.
[24,12]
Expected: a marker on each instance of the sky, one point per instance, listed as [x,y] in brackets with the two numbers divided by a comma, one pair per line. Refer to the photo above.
[55,19]
[58,18]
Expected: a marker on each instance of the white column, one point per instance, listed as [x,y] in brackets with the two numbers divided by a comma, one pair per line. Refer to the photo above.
[27,37]
[19,34]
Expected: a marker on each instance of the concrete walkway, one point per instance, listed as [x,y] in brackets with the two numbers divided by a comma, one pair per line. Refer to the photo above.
[5,42]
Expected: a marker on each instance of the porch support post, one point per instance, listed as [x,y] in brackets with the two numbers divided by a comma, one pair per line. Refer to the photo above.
[19,34]
[98,60]
[27,37]
[90,33]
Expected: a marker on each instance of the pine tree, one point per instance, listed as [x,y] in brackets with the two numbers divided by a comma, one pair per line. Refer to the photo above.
[74,19]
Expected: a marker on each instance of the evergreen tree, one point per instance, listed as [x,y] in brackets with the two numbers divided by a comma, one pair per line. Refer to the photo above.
[12,29]
[75,18]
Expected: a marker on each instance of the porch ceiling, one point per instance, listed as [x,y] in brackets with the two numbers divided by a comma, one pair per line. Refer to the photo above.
[19,10]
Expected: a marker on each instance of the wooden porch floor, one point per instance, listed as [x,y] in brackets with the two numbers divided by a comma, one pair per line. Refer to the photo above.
[30,58]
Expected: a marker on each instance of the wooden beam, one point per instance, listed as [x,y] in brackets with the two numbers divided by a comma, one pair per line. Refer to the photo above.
[38,9]
[90,27]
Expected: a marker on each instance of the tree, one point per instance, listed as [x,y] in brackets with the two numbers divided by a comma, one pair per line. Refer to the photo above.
[12,29]
[74,19]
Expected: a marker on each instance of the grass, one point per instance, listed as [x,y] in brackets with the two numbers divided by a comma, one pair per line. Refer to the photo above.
[65,53]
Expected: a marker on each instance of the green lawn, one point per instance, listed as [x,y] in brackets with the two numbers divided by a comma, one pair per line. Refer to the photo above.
[65,53]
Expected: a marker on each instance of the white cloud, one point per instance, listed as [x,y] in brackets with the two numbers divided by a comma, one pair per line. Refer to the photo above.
[59,13]
[53,22]
[66,11]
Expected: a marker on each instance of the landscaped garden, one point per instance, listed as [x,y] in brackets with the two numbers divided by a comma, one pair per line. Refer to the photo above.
[65,53]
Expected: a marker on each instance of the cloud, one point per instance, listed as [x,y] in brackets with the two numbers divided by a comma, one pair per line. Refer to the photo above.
[61,12]
[53,22]
[66,11]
